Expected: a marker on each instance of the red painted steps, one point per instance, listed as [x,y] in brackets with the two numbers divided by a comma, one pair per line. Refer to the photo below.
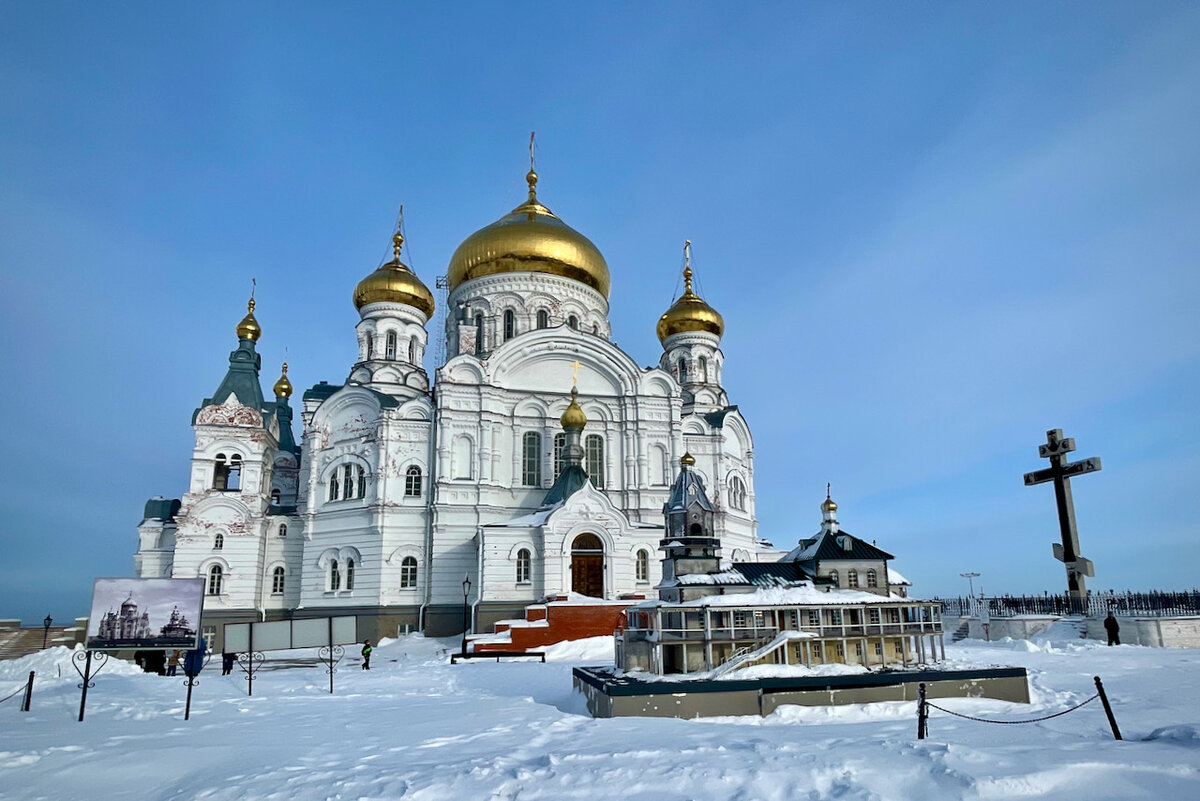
[565,617]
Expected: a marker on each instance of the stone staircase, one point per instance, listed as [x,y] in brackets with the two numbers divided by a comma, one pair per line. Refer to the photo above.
[17,642]
[563,618]
[962,632]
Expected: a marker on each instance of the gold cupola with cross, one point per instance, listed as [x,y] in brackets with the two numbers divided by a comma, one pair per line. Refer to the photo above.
[689,312]
[529,239]
[395,282]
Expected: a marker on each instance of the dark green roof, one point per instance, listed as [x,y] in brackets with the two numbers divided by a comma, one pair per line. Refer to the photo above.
[771,574]
[827,546]
[324,390]
[717,419]
[569,481]
[160,508]
[241,379]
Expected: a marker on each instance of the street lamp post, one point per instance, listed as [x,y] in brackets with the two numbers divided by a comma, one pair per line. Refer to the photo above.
[466,612]
[970,577]
[46,631]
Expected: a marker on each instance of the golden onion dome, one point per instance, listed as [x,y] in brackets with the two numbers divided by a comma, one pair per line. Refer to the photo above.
[574,417]
[687,460]
[394,282]
[249,328]
[689,312]
[828,505]
[283,387]
[530,239]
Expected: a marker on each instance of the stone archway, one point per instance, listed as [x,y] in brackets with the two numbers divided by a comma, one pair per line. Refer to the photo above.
[587,566]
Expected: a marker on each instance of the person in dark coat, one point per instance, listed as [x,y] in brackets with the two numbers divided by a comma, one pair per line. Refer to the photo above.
[1113,628]
[366,655]
[227,660]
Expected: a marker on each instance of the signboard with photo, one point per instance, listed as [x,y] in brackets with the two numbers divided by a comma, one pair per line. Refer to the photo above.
[147,614]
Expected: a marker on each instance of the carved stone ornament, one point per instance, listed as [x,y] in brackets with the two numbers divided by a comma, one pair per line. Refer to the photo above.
[230,413]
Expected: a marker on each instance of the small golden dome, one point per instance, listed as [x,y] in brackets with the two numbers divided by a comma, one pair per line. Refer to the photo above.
[687,460]
[530,239]
[828,504]
[690,312]
[394,282]
[249,328]
[283,387]
[574,417]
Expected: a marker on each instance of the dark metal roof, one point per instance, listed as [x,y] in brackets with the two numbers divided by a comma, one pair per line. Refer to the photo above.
[827,546]
[772,574]
[687,489]
[569,481]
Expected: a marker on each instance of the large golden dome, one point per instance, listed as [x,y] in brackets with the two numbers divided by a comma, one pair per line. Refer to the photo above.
[689,313]
[530,239]
[394,282]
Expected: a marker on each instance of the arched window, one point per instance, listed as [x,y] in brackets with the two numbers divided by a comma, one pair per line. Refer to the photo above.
[573,321]
[560,442]
[349,574]
[335,576]
[335,484]
[277,578]
[216,580]
[510,324]
[531,459]
[218,541]
[682,370]
[283,529]
[412,482]
[702,368]
[412,351]
[275,497]
[360,481]
[594,448]
[478,333]
[462,457]
[643,566]
[833,577]
[872,578]
[235,473]
[370,345]
[348,481]
[657,467]
[390,351]
[596,329]
[220,472]
[737,494]
[852,579]
[543,319]
[524,566]
[408,573]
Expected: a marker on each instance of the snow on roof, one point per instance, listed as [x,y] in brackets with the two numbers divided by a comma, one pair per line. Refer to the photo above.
[894,577]
[724,577]
[805,594]
[537,518]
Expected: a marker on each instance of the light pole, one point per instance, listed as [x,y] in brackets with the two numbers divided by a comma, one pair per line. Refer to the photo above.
[466,612]
[46,630]
[970,577]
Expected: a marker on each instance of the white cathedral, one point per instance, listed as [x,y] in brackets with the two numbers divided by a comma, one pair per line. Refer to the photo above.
[536,464]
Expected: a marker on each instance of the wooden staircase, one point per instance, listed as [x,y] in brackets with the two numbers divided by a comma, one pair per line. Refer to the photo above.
[17,642]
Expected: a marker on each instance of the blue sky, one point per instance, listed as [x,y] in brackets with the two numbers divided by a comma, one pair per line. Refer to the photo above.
[934,232]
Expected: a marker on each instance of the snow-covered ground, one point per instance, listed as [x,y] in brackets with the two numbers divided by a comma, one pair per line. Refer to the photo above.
[416,727]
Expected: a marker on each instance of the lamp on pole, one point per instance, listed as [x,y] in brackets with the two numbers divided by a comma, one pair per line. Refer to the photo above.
[46,630]
[970,577]
[466,612]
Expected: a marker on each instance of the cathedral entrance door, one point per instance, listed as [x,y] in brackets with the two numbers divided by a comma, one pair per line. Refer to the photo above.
[587,566]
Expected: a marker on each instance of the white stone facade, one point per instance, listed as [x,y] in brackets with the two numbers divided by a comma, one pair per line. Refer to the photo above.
[437,481]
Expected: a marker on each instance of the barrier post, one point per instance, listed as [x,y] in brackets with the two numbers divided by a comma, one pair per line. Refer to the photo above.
[922,713]
[1112,721]
[28,694]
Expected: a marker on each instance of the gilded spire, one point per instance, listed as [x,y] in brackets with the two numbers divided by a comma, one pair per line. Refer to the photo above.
[283,387]
[531,177]
[249,328]
[687,268]
[398,237]
[574,417]
[828,505]
[689,312]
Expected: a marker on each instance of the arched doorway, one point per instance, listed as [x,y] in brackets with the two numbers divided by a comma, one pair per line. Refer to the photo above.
[587,566]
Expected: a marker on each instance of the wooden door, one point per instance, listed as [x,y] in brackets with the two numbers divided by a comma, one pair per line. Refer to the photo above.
[587,574]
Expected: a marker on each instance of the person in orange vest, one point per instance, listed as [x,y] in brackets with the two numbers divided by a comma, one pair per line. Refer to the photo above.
[366,655]
[173,663]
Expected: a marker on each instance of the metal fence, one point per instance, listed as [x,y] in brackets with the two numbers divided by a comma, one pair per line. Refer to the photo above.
[1148,604]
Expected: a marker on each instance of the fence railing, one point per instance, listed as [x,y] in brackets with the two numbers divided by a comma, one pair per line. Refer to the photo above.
[1149,604]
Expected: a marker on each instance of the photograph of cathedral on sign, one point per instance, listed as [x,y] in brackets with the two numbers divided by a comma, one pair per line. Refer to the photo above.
[145,613]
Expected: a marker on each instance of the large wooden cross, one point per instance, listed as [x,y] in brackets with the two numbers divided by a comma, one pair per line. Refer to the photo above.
[1060,472]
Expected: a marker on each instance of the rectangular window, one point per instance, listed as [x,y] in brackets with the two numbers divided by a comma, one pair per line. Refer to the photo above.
[531,461]
[595,460]
[560,442]
[814,618]
[879,649]
[740,619]
[873,616]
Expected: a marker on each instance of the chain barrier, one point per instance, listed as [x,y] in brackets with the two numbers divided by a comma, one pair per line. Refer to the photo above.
[13,694]
[1013,722]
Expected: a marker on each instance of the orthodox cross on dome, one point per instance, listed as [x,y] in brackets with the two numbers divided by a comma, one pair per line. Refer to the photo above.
[531,177]
[575,365]
[687,267]
[398,237]
[1060,472]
